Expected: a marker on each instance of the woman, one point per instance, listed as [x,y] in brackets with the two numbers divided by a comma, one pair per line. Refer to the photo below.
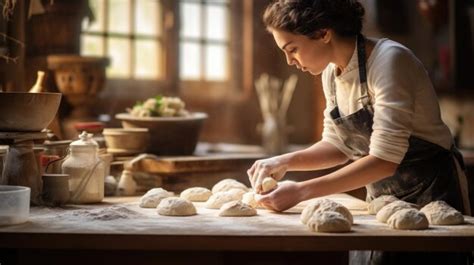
[381,112]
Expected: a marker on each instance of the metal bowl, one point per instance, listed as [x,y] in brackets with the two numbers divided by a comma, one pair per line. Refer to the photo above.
[27,112]
[168,135]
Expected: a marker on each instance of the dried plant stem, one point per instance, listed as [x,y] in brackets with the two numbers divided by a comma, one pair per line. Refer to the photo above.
[8,6]
[6,57]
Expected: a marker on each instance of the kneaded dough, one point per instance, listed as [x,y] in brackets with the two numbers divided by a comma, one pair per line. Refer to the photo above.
[268,184]
[196,194]
[323,205]
[237,208]
[441,213]
[379,202]
[249,199]
[152,198]
[391,208]
[408,219]
[174,206]
[218,199]
[328,221]
[228,184]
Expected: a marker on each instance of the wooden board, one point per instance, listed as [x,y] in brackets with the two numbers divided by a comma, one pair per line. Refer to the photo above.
[120,224]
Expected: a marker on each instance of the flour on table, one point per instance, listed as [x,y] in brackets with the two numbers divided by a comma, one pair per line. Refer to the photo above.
[441,213]
[196,194]
[152,198]
[174,206]
[237,208]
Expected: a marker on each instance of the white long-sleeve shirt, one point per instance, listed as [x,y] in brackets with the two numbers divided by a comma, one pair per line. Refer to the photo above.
[402,95]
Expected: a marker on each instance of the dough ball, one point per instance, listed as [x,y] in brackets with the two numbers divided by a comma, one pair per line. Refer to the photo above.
[152,198]
[441,213]
[408,219]
[328,221]
[218,199]
[228,184]
[237,208]
[379,202]
[391,208]
[268,184]
[249,199]
[174,206]
[322,205]
[196,194]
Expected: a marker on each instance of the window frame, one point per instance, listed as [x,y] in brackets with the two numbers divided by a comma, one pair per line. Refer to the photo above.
[240,62]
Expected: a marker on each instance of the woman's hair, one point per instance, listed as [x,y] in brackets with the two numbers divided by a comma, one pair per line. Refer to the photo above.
[309,17]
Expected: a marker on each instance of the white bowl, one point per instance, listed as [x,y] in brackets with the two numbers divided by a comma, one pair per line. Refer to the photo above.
[14,204]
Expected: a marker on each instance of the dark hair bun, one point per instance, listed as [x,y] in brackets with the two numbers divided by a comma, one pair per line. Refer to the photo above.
[309,17]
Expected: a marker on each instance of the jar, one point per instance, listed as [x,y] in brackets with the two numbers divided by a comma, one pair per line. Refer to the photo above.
[86,171]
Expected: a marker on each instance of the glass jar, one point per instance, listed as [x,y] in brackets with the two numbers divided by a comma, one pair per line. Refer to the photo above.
[86,171]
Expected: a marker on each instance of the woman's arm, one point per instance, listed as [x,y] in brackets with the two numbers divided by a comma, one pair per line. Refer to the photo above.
[355,175]
[319,156]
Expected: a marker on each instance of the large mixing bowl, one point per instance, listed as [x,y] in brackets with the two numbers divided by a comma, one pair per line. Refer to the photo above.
[168,135]
[27,112]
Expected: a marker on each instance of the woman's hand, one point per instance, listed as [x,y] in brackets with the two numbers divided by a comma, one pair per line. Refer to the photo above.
[274,167]
[285,196]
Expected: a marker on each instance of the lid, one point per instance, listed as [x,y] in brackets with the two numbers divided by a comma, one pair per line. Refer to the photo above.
[3,149]
[91,127]
[85,141]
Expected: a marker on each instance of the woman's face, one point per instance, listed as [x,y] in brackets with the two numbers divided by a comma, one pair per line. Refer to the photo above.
[308,55]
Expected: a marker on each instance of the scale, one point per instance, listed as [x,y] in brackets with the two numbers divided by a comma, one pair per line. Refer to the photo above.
[22,164]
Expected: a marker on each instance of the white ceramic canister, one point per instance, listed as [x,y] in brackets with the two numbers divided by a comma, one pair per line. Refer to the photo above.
[86,171]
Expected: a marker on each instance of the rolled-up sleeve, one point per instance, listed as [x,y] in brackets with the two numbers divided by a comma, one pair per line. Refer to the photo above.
[393,80]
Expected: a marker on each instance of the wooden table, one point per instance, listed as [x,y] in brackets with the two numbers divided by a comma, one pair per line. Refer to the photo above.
[118,228]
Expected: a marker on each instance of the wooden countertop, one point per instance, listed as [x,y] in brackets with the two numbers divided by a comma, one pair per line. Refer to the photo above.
[119,224]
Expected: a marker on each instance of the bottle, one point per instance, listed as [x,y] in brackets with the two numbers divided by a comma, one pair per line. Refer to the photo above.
[38,86]
[86,171]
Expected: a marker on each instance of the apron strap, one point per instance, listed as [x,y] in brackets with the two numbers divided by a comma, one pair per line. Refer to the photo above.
[463,184]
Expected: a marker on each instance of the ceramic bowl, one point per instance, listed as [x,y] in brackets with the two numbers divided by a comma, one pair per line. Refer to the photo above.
[27,112]
[168,135]
[126,141]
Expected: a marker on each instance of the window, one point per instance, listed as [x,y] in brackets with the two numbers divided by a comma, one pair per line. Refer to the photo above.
[204,40]
[183,45]
[129,32]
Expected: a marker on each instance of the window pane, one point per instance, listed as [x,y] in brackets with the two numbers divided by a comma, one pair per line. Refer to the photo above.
[216,62]
[147,59]
[190,60]
[97,7]
[119,53]
[217,1]
[92,45]
[191,20]
[148,17]
[216,22]
[119,17]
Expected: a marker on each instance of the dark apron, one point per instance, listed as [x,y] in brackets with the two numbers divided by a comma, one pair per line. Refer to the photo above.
[428,171]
